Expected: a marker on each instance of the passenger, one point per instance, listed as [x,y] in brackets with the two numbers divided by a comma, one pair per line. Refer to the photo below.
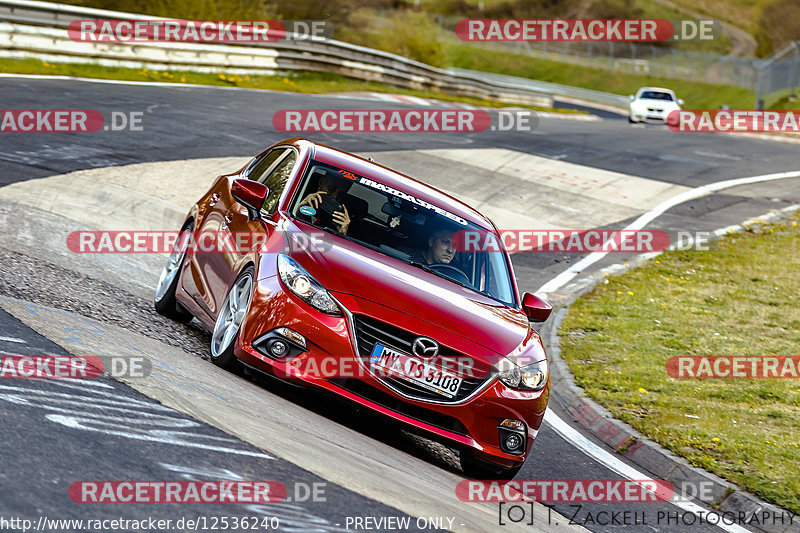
[337,189]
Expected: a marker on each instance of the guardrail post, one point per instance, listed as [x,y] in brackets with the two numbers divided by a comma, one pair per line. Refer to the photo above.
[759,99]
[794,80]
[672,62]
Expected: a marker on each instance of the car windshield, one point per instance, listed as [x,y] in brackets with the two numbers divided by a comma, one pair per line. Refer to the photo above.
[401,226]
[656,95]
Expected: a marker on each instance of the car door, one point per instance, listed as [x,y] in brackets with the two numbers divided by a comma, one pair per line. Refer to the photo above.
[210,275]
[235,226]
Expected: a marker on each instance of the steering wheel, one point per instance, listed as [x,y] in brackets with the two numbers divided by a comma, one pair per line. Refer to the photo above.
[452,272]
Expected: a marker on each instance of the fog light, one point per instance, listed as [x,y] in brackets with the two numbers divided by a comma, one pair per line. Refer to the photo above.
[281,343]
[513,434]
[278,348]
[513,441]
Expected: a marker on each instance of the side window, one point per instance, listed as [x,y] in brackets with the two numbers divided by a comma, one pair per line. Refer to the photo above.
[260,168]
[276,181]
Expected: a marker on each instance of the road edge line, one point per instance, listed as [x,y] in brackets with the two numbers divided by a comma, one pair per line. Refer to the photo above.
[630,443]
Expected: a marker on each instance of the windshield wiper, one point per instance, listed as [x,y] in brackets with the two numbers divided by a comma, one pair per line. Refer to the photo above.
[426,268]
[357,241]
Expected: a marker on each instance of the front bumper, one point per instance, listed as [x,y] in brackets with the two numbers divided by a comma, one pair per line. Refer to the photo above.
[330,362]
[650,115]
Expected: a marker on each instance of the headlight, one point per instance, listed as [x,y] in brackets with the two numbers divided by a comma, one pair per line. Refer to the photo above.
[528,377]
[305,286]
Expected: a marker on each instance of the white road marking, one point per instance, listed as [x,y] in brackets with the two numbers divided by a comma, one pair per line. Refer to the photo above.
[240,138]
[153,84]
[566,208]
[718,155]
[92,413]
[412,99]
[620,467]
[568,432]
[12,339]
[570,273]
[381,96]
[3,352]
[583,182]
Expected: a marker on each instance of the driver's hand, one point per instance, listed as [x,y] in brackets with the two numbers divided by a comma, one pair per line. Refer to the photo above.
[342,220]
[313,199]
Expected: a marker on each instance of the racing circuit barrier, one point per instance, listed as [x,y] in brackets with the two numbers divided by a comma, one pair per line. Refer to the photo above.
[37,30]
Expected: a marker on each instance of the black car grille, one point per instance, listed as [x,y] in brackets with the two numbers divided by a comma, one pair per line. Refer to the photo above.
[370,332]
[397,405]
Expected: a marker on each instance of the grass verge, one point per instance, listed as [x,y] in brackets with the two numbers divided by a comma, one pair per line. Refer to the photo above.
[697,95]
[737,299]
[305,82]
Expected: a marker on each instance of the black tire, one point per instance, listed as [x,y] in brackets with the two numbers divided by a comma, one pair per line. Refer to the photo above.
[223,339]
[165,302]
[477,468]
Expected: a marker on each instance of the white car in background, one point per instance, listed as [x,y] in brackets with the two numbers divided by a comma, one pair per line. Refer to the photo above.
[653,103]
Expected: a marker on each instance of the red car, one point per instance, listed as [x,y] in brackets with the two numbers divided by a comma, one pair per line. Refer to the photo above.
[324,268]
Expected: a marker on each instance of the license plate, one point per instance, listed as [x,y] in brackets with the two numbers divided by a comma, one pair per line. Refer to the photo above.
[399,365]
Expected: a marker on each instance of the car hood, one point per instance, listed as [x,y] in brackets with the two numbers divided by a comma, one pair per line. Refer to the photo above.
[422,297]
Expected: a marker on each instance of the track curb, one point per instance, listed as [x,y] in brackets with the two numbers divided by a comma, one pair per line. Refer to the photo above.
[725,497]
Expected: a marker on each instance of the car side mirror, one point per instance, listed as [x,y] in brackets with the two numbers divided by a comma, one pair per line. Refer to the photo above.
[680,101]
[537,309]
[250,194]
[631,97]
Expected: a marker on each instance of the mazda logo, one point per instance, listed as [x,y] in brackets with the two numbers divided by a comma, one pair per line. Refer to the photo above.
[425,347]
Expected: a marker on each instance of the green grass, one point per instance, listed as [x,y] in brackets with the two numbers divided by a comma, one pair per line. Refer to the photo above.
[306,82]
[738,299]
[736,12]
[787,102]
[697,95]
[654,10]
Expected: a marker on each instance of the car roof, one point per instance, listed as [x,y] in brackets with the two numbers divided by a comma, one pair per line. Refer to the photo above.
[392,178]
[661,89]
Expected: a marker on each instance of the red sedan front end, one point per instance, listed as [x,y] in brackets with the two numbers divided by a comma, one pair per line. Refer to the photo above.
[362,286]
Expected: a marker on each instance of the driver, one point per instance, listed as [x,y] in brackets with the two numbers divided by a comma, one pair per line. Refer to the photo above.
[440,248]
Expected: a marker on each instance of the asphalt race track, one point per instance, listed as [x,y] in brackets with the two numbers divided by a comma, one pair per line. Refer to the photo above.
[190,420]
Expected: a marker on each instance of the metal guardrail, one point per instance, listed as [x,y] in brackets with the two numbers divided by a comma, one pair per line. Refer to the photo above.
[32,29]
[555,89]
